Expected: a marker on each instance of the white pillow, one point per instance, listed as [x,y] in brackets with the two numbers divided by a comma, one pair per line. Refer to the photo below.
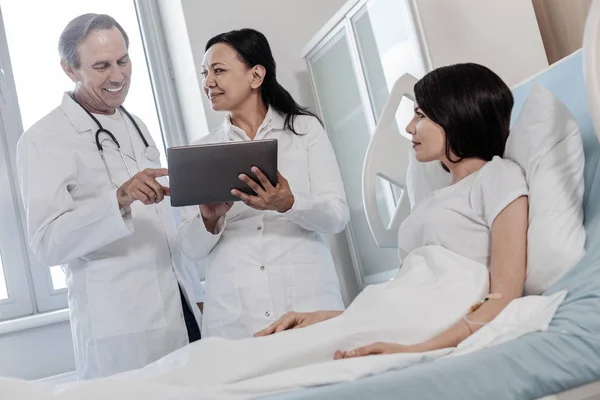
[545,141]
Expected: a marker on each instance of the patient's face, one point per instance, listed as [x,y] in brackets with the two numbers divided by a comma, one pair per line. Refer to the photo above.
[227,80]
[429,139]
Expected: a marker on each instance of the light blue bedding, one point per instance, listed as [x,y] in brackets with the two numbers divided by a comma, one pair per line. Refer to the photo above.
[538,364]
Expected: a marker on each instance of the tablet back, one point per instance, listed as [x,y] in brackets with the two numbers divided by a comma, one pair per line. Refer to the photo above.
[205,174]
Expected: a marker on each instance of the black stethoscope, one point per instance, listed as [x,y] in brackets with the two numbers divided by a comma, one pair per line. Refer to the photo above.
[151,152]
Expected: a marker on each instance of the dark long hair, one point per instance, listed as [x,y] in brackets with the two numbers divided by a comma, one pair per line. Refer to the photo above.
[253,49]
[472,104]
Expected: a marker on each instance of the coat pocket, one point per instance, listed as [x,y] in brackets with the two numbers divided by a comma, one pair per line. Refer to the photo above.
[123,297]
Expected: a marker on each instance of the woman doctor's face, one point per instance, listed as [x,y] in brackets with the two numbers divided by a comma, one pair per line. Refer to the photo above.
[227,80]
[428,138]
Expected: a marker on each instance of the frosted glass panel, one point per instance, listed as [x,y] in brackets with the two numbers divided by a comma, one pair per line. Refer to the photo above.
[348,130]
[388,49]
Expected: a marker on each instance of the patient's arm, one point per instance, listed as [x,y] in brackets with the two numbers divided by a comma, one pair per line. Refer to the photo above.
[507,277]
[294,320]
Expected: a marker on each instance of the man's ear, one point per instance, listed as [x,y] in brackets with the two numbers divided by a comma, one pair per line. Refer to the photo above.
[70,71]
[258,76]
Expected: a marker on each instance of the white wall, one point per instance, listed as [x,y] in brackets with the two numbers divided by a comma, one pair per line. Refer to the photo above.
[502,35]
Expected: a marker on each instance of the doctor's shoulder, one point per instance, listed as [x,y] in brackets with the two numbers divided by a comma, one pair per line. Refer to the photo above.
[48,130]
[304,125]
[306,128]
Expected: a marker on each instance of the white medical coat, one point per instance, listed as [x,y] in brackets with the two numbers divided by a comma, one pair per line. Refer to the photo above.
[124,299]
[261,264]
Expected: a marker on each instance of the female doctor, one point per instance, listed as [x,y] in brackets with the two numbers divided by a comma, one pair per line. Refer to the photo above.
[98,208]
[266,254]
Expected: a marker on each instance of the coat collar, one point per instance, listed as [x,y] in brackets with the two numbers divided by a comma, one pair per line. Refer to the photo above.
[76,114]
[274,121]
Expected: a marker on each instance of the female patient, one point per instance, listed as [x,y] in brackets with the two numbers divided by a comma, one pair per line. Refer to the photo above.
[462,116]
[266,254]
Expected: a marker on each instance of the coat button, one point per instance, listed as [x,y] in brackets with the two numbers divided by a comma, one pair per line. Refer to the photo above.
[262,267]
[258,228]
[268,313]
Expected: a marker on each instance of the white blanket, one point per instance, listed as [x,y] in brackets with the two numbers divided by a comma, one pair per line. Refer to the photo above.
[432,291]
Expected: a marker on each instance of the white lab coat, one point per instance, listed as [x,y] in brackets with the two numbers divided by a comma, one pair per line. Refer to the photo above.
[261,264]
[124,300]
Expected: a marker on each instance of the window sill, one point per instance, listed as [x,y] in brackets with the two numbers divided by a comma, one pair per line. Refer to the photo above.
[33,321]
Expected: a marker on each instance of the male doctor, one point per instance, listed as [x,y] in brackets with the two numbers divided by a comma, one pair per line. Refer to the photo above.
[100,210]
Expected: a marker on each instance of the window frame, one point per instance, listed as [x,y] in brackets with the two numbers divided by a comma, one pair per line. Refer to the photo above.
[12,245]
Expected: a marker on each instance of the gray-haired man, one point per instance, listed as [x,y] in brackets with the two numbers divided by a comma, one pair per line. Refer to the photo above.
[91,181]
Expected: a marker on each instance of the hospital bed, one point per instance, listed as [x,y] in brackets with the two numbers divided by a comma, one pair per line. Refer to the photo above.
[562,363]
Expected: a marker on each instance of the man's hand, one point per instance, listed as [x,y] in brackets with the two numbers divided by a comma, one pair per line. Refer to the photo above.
[143,187]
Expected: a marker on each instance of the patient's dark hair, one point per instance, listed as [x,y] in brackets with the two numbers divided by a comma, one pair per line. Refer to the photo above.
[473,106]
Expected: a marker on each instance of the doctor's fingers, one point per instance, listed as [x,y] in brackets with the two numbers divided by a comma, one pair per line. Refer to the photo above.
[253,185]
[141,192]
[251,201]
[156,172]
[158,190]
[264,181]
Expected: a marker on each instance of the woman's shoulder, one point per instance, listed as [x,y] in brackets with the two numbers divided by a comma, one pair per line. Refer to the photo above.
[500,183]
[499,179]
[499,168]
[306,125]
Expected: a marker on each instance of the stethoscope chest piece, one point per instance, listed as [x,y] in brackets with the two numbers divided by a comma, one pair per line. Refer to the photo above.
[152,153]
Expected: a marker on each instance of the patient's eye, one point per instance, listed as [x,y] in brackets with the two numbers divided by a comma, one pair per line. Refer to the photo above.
[419,115]
[219,70]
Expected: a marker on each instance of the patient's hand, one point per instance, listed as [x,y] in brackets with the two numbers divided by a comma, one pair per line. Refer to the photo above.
[378,348]
[294,320]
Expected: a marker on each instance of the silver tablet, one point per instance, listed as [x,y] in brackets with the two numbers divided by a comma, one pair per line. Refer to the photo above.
[205,174]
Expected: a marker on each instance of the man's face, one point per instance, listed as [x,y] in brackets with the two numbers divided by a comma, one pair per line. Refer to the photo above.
[104,74]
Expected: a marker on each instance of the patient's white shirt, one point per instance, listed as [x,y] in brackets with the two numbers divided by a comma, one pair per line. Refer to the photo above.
[459,217]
